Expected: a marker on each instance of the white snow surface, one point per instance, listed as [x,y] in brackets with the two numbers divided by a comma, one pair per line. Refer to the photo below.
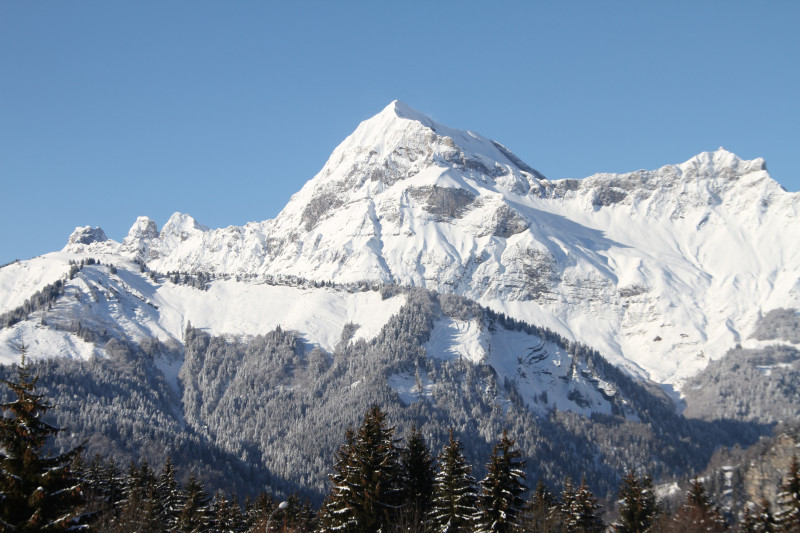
[660,270]
[130,305]
[534,365]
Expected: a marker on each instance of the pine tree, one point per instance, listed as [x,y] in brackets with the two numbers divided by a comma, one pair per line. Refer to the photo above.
[788,518]
[579,509]
[454,502]
[298,516]
[698,513]
[501,502]
[37,492]
[638,508]
[169,496]
[227,516]
[366,480]
[758,519]
[195,515]
[418,474]
[139,509]
[541,513]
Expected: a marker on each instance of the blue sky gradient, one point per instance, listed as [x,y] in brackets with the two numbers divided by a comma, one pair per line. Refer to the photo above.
[111,110]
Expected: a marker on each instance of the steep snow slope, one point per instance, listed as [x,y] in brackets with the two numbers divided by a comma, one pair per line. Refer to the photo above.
[660,270]
[545,375]
[130,305]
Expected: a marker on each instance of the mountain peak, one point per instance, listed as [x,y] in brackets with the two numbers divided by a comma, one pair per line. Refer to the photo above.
[404,111]
[182,225]
[711,163]
[400,129]
[87,235]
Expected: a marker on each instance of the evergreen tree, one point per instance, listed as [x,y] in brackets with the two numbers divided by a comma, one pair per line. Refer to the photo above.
[638,507]
[418,474]
[366,480]
[227,516]
[454,502]
[788,518]
[298,516]
[698,513]
[256,512]
[139,509]
[169,496]
[579,509]
[501,502]
[112,481]
[37,492]
[195,515]
[758,519]
[541,513]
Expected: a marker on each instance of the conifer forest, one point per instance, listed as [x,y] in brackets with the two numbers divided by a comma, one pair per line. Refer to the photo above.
[378,482]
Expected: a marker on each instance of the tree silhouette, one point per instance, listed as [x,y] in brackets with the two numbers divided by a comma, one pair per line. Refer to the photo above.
[37,492]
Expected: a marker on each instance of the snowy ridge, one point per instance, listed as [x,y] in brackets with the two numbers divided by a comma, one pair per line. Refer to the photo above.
[660,270]
[130,305]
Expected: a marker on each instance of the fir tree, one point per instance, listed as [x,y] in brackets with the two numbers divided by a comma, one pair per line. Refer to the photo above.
[139,509]
[299,517]
[227,516]
[501,502]
[366,479]
[758,519]
[37,492]
[256,512]
[638,507]
[788,518]
[169,496]
[541,513]
[698,513]
[418,474]
[196,512]
[454,502]
[579,509]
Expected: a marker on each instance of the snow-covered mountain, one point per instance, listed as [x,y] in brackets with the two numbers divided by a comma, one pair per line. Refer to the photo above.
[660,270]
[190,339]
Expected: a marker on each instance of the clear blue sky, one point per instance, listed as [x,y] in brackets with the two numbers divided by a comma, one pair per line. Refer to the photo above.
[110,110]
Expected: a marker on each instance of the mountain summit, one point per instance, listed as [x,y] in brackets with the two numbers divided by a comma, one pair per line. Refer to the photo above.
[660,270]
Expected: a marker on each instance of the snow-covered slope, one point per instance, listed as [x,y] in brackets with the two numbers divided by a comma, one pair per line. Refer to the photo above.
[544,374]
[659,270]
[115,299]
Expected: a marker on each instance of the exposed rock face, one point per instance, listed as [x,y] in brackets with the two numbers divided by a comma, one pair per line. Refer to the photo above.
[763,477]
[87,235]
[137,243]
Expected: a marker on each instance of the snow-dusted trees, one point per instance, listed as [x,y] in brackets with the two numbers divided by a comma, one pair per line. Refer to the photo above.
[195,514]
[169,496]
[37,492]
[638,507]
[454,497]
[501,500]
[541,514]
[758,518]
[366,490]
[698,513]
[579,509]
[417,475]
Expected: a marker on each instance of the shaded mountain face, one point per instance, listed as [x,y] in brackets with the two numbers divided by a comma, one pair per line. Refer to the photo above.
[660,270]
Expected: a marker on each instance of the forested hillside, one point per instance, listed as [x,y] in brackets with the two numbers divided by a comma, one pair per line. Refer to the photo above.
[270,410]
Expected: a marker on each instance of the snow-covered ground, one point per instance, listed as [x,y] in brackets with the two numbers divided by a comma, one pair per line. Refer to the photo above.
[130,304]
[544,374]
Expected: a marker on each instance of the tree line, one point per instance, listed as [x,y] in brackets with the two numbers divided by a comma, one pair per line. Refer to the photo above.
[376,484]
